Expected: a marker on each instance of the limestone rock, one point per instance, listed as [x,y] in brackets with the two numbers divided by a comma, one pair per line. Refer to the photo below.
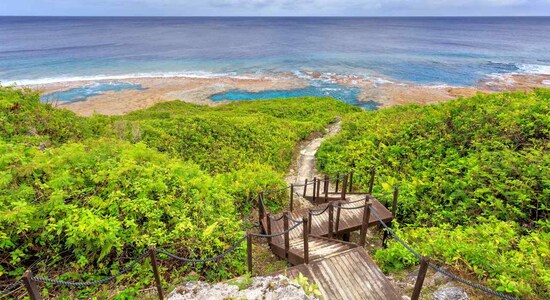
[268,288]
[450,292]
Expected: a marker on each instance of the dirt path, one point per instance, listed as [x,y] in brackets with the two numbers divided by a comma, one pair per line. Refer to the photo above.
[305,166]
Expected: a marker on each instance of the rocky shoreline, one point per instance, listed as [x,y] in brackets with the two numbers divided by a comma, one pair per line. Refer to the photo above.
[386,92]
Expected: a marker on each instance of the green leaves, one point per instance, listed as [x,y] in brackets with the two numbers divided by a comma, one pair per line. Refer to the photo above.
[484,156]
[495,251]
[180,176]
[477,156]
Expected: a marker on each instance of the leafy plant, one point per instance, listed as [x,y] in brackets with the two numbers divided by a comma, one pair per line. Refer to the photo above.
[311,289]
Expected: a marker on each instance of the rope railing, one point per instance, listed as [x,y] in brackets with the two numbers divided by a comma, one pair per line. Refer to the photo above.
[34,294]
[438,268]
[95,282]
[318,212]
[349,208]
[10,288]
[292,219]
[276,219]
[302,184]
[214,258]
[276,234]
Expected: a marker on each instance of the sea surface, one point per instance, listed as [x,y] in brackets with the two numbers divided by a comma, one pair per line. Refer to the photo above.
[432,51]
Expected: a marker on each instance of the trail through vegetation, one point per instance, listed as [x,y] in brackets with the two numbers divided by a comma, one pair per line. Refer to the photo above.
[473,177]
[80,197]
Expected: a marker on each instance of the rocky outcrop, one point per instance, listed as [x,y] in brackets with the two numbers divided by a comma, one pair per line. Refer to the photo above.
[268,288]
[449,292]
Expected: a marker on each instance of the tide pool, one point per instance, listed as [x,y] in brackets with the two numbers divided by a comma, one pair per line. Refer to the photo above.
[84,92]
[320,89]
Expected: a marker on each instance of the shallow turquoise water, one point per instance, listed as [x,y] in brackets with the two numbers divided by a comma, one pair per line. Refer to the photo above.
[321,89]
[84,92]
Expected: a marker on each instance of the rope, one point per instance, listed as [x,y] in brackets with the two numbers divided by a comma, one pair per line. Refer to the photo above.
[314,212]
[355,201]
[261,197]
[293,220]
[339,178]
[394,235]
[10,288]
[439,269]
[276,219]
[276,234]
[277,190]
[204,259]
[91,283]
[471,284]
[350,208]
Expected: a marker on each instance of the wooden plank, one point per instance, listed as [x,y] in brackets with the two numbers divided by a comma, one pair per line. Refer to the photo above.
[344,277]
[328,281]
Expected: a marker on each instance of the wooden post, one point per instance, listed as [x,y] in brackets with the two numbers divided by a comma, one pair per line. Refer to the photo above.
[306,241]
[260,207]
[394,204]
[305,189]
[31,287]
[330,220]
[310,217]
[365,223]
[350,181]
[326,188]
[337,182]
[371,182]
[424,263]
[338,210]
[318,188]
[268,223]
[249,251]
[287,238]
[344,185]
[314,189]
[291,196]
[153,257]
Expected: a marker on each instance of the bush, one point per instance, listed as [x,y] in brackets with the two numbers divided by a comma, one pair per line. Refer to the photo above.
[80,197]
[494,252]
[487,155]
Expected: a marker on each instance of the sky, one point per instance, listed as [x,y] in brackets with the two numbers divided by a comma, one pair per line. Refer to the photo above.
[275,7]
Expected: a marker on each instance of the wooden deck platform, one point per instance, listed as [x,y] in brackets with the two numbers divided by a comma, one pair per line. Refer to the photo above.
[343,270]
[350,274]
[350,219]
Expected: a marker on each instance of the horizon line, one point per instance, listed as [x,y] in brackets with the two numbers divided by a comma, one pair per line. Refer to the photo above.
[250,16]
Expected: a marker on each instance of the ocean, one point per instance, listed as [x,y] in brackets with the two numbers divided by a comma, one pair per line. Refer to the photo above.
[432,51]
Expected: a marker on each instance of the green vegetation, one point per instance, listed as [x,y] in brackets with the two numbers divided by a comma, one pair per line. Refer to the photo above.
[310,288]
[80,197]
[474,182]
[514,263]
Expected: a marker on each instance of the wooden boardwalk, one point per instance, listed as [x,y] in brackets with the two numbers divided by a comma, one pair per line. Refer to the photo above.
[350,274]
[343,270]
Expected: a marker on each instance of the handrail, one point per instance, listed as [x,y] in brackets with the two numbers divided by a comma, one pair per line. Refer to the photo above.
[439,269]
[276,234]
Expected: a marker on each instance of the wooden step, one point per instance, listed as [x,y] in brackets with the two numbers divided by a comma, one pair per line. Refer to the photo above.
[350,274]
[319,247]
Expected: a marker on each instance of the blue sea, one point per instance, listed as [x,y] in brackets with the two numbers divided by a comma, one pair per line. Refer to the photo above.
[433,51]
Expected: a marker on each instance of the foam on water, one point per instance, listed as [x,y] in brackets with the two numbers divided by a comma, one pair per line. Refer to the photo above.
[102,77]
[84,92]
[534,69]
[454,51]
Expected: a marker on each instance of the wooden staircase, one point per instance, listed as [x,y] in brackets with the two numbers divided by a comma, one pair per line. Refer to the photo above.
[308,238]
